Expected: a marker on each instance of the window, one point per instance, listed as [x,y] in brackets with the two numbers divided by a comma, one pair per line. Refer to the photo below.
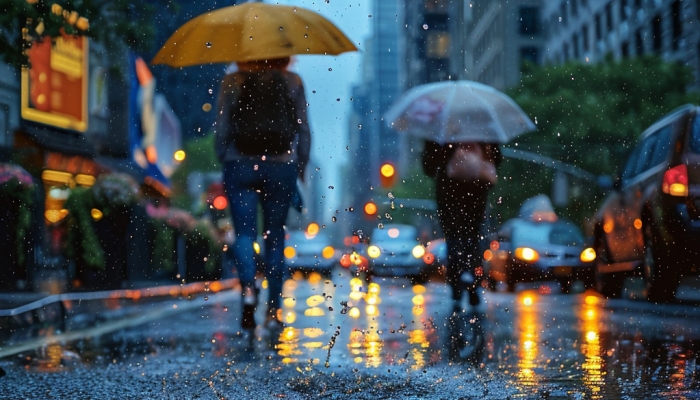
[529,20]
[576,46]
[663,144]
[574,8]
[694,142]
[609,17]
[529,54]
[562,13]
[584,37]
[623,10]
[598,27]
[639,42]
[656,31]
[676,9]
[625,49]
[437,44]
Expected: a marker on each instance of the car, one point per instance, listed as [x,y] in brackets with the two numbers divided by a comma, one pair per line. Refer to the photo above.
[305,251]
[648,225]
[395,250]
[539,246]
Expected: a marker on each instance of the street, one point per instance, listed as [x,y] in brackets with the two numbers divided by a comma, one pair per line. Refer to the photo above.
[347,338]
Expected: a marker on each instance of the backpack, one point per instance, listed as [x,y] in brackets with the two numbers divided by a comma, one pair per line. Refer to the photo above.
[468,163]
[265,116]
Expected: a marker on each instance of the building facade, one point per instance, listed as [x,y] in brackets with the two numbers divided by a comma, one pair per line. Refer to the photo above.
[590,30]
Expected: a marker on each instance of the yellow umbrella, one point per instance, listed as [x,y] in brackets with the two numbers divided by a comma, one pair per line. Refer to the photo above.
[251,31]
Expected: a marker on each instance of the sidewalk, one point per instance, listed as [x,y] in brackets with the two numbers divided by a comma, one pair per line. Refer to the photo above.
[26,315]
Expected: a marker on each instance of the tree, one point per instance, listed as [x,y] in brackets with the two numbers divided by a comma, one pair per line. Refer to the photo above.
[587,115]
[108,21]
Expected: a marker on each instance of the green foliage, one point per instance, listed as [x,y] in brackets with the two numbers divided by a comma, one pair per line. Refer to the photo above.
[110,21]
[587,115]
[200,157]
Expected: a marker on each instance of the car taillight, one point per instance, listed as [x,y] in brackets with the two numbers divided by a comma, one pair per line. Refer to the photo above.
[526,254]
[676,181]
[428,258]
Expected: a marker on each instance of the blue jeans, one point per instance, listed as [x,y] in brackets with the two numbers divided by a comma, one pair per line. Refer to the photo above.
[248,183]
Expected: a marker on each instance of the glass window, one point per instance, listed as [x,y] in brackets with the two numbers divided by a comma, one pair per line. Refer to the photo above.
[628,171]
[529,20]
[645,154]
[565,235]
[529,54]
[694,142]
[663,144]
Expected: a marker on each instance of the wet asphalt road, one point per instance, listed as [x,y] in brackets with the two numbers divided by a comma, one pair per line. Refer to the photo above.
[347,338]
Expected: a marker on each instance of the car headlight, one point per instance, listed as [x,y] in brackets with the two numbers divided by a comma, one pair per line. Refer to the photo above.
[588,255]
[418,251]
[328,252]
[373,251]
[289,252]
[527,254]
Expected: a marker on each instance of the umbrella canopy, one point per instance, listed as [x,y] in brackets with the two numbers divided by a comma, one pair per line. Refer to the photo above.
[458,111]
[9,171]
[251,31]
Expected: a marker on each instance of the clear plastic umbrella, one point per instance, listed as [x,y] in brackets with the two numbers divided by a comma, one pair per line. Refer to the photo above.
[458,111]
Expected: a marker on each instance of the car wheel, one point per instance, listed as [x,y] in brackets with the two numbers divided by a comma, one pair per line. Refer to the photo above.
[608,285]
[658,290]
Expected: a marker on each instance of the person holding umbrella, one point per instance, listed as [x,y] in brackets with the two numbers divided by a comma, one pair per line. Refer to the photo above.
[262,131]
[263,141]
[463,123]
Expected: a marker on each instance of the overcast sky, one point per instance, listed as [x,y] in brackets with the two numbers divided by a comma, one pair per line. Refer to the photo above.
[332,78]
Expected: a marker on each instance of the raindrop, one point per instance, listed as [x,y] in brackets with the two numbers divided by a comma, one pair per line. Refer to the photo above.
[313,91]
[206,298]
[369,16]
[318,168]
[347,147]
[359,126]
[281,28]
[506,309]
[225,308]
[338,99]
[380,225]
[211,90]
[334,218]
[352,209]
[535,120]
[208,44]
[425,26]
[306,35]
[323,226]
[331,187]
[330,69]
[251,38]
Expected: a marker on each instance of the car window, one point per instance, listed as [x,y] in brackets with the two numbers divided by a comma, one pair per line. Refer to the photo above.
[393,233]
[628,172]
[662,139]
[646,151]
[694,142]
[567,235]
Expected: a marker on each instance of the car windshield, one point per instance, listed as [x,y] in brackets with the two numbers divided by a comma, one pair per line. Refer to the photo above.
[389,233]
[559,233]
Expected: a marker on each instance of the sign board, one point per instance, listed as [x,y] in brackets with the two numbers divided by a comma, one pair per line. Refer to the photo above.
[54,89]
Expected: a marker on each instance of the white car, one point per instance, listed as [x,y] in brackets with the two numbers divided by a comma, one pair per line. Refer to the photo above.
[307,252]
[395,250]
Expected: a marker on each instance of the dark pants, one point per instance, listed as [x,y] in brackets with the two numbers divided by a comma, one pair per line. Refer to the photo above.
[461,213]
[248,183]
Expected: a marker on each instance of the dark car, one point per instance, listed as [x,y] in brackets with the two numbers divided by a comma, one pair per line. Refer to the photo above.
[649,225]
[526,250]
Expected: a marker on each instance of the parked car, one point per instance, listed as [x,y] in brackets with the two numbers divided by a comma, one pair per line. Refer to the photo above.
[304,251]
[649,224]
[395,250]
[526,250]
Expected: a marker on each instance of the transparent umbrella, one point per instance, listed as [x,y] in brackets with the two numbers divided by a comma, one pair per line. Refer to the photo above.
[458,111]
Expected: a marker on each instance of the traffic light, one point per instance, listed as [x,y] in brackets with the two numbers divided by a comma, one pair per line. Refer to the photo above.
[387,175]
[370,209]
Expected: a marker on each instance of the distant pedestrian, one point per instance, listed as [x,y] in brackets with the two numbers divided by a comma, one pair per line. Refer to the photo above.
[461,205]
[263,141]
